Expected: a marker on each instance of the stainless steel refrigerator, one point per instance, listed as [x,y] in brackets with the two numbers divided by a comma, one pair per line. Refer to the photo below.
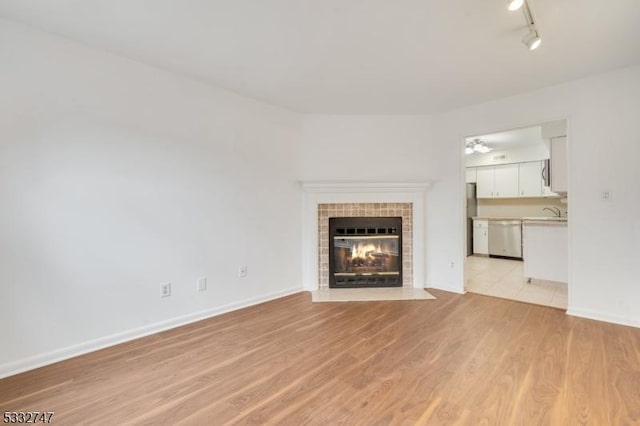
[472,210]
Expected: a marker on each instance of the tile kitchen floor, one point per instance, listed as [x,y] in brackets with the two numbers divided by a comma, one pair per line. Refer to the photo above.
[504,278]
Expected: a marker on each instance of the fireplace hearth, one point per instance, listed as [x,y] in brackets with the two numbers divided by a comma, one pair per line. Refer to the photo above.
[365,252]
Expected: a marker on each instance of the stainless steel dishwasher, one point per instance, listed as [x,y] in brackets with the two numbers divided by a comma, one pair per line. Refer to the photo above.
[505,238]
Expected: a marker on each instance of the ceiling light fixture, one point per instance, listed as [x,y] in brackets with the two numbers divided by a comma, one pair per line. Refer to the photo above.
[532,39]
[476,146]
[514,4]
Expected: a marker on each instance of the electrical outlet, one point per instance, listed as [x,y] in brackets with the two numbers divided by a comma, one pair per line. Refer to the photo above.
[165,289]
[202,284]
[242,271]
[452,265]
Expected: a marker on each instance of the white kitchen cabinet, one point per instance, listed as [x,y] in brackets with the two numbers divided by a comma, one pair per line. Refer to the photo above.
[497,181]
[559,164]
[480,236]
[512,181]
[506,181]
[545,251]
[547,192]
[470,175]
[485,182]
[530,179]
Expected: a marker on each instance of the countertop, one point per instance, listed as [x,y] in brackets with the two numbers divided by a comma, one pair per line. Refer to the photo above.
[544,222]
[528,220]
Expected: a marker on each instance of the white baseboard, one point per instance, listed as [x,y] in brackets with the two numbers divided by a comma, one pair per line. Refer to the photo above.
[11,368]
[448,288]
[602,316]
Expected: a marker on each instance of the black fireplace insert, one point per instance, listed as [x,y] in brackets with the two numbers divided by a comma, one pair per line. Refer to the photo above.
[365,252]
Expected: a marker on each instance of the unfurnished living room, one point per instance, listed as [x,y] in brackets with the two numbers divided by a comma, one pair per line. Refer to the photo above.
[320,212]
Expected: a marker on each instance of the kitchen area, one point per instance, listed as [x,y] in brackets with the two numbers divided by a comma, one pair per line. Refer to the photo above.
[517,216]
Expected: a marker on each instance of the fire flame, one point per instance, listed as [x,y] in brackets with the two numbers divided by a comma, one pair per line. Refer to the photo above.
[362,250]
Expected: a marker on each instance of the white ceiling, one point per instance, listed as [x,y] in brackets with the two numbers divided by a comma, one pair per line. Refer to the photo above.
[512,138]
[353,56]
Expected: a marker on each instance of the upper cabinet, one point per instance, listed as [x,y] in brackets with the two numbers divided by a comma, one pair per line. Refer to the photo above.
[485,182]
[497,181]
[512,181]
[506,181]
[556,132]
[530,179]
[528,162]
[559,164]
[547,192]
[546,188]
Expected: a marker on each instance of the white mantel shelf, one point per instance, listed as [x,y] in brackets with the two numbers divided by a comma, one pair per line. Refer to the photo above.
[362,191]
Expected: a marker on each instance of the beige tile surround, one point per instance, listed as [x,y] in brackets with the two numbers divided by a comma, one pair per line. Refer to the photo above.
[326,211]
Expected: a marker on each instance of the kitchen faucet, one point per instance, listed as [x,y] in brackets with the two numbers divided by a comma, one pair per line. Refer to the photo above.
[556,211]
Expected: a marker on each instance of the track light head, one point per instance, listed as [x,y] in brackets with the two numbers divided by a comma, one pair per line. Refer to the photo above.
[532,40]
[514,4]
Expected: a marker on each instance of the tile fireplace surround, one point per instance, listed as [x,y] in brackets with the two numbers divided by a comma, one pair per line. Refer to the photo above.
[326,211]
[325,199]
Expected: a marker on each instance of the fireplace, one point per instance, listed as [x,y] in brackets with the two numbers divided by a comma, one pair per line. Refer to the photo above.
[331,199]
[365,252]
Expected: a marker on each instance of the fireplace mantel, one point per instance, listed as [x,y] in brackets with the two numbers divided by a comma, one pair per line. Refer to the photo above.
[369,191]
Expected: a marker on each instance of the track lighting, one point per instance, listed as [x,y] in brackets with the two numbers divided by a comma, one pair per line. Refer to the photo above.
[532,40]
[514,4]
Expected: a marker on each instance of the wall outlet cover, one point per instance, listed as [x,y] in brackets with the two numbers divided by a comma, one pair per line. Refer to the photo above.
[242,271]
[165,290]
[202,284]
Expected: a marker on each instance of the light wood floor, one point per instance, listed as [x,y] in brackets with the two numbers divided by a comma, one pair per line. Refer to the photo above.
[457,360]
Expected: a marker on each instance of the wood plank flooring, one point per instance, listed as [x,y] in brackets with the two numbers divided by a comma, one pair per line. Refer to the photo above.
[456,360]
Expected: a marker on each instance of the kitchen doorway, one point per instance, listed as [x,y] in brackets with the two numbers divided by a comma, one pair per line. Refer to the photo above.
[516,209]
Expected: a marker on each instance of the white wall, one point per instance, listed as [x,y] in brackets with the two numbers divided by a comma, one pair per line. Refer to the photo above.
[604,150]
[115,177]
[394,148]
[366,147]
